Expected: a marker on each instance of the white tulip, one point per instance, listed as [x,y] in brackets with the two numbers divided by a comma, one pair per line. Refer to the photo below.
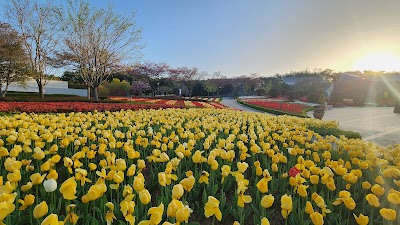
[50,185]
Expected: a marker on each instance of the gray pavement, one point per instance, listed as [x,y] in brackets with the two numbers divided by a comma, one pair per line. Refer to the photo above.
[375,124]
[232,103]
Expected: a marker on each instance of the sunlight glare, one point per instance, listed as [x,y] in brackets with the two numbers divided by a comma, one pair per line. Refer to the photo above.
[379,62]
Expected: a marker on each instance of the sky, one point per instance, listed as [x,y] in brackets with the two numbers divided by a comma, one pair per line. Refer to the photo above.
[240,37]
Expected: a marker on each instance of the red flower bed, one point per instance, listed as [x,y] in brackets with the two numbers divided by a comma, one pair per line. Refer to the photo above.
[280,106]
[177,103]
[42,107]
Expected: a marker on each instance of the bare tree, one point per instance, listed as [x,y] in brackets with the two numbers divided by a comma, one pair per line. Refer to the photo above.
[34,22]
[96,41]
[13,58]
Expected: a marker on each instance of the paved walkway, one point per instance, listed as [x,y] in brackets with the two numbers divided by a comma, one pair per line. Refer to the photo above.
[232,103]
[375,124]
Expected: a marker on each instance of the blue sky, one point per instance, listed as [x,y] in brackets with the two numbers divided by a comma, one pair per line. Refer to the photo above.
[240,37]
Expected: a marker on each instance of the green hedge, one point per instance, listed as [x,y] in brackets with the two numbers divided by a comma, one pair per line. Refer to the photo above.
[276,112]
[323,131]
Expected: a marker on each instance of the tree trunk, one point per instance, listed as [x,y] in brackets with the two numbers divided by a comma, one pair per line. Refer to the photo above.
[1,92]
[5,91]
[88,92]
[95,94]
[41,90]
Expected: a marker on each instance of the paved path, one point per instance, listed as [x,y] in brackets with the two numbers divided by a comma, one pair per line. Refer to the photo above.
[232,103]
[375,124]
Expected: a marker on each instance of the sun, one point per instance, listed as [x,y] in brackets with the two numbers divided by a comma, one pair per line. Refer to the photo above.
[378,62]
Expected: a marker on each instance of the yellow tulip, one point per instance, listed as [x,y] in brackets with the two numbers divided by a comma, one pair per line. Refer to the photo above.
[45,166]
[80,175]
[242,166]
[397,182]
[243,199]
[188,183]
[118,177]
[51,219]
[212,208]
[309,208]
[394,198]
[71,216]
[131,170]
[317,218]
[286,205]
[156,214]
[68,189]
[110,213]
[26,187]
[267,201]
[388,214]
[331,186]
[361,219]
[274,168]
[173,207]
[349,203]
[28,201]
[302,190]
[262,185]
[37,178]
[144,196]
[265,221]
[52,175]
[92,166]
[204,177]
[197,157]
[373,200]
[5,210]
[138,182]
[314,179]
[40,210]
[141,164]
[366,185]
[378,190]
[183,214]
[379,180]
[177,191]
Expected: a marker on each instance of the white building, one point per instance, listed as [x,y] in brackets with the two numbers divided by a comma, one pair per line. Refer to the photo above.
[53,87]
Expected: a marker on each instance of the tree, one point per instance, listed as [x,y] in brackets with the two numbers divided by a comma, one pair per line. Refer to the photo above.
[210,87]
[138,87]
[13,57]
[96,41]
[72,76]
[117,87]
[187,76]
[34,22]
[151,73]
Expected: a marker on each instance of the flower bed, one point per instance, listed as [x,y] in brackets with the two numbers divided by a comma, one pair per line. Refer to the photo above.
[277,105]
[185,102]
[42,107]
[201,166]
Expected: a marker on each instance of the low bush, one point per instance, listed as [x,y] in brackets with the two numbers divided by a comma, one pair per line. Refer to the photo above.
[276,112]
[324,131]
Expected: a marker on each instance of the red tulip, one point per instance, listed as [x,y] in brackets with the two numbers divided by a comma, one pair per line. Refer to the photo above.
[293,172]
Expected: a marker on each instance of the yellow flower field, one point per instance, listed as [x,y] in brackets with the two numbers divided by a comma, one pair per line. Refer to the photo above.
[190,166]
